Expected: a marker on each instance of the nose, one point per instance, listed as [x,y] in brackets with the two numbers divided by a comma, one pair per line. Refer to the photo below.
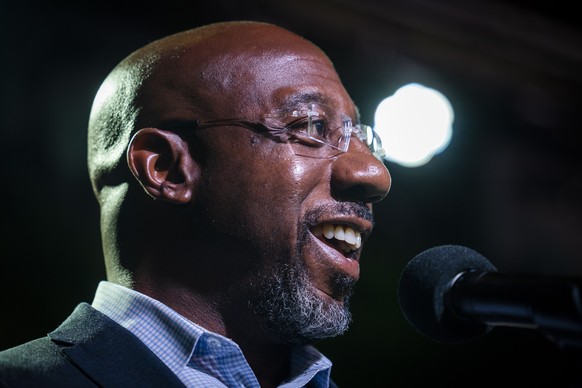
[358,176]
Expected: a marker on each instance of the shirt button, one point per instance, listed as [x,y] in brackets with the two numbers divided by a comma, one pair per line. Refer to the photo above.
[214,343]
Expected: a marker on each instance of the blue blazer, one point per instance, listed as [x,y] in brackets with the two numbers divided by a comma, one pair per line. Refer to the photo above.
[87,350]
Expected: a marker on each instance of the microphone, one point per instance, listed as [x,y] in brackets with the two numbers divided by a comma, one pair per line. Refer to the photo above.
[453,294]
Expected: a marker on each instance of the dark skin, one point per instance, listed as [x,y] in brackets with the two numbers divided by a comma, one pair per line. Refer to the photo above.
[223,202]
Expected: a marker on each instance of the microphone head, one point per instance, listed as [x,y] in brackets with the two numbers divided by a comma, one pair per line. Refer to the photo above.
[422,288]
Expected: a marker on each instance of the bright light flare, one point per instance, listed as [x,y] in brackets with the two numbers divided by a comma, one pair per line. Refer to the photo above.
[415,123]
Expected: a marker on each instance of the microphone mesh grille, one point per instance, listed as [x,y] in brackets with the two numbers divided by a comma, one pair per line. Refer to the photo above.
[422,287]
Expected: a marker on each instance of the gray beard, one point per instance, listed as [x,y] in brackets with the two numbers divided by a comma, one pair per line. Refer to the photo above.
[294,312]
[286,302]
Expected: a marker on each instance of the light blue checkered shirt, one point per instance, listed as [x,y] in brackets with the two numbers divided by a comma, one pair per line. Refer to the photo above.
[198,357]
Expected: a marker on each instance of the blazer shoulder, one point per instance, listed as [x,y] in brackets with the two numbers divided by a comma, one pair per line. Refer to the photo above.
[39,363]
[87,349]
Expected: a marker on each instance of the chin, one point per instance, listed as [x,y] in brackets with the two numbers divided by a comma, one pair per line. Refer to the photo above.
[295,312]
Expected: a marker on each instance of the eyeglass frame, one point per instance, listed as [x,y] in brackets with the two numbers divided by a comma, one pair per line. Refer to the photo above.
[362,131]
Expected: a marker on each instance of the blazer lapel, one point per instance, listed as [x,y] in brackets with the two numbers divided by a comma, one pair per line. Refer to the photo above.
[108,353]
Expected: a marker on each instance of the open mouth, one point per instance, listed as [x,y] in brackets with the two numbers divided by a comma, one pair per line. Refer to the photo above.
[343,238]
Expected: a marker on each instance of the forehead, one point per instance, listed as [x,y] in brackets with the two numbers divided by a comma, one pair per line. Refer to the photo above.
[259,69]
[307,80]
[233,76]
[277,80]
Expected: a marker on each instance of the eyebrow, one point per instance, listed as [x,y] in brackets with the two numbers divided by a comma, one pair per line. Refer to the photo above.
[291,102]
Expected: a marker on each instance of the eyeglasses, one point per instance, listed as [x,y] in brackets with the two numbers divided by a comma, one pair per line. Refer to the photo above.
[313,127]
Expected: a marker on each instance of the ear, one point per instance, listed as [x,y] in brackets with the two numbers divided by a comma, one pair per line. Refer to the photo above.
[161,162]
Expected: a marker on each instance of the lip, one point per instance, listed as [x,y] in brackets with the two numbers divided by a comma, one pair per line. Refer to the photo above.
[338,259]
[360,225]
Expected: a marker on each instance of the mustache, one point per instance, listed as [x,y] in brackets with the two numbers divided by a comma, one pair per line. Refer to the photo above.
[352,209]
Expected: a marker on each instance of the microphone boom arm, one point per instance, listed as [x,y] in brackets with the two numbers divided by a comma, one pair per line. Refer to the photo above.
[552,306]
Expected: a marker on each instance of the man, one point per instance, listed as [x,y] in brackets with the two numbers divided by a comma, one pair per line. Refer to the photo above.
[235,188]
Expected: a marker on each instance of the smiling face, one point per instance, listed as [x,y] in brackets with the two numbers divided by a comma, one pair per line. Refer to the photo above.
[286,225]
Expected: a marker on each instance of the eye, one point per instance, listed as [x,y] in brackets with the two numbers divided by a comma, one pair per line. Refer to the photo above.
[310,126]
[318,128]
[298,125]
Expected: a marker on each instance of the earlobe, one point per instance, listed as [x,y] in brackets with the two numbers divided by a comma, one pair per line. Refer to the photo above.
[161,162]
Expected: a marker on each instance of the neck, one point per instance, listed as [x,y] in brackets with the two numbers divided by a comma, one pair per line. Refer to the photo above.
[200,309]
[226,315]
[270,363]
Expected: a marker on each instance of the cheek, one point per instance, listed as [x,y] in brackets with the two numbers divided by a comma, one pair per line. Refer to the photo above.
[296,183]
[258,195]
[279,192]
[257,190]
[298,171]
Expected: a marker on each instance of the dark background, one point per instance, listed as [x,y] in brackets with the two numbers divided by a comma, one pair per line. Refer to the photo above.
[508,186]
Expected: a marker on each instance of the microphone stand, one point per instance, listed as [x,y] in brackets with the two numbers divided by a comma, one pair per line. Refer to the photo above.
[552,306]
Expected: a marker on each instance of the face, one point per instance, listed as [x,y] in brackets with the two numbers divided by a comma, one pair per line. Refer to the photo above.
[286,226]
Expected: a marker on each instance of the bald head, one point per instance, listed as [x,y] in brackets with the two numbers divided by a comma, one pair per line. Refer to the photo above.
[219,71]
[215,181]
[185,76]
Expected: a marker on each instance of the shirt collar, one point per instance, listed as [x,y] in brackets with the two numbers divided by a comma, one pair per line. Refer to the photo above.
[168,334]
[175,339]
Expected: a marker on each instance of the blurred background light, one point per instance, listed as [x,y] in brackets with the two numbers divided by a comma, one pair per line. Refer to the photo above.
[415,123]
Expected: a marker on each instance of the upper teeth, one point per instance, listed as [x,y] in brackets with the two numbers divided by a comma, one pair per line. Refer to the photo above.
[351,237]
